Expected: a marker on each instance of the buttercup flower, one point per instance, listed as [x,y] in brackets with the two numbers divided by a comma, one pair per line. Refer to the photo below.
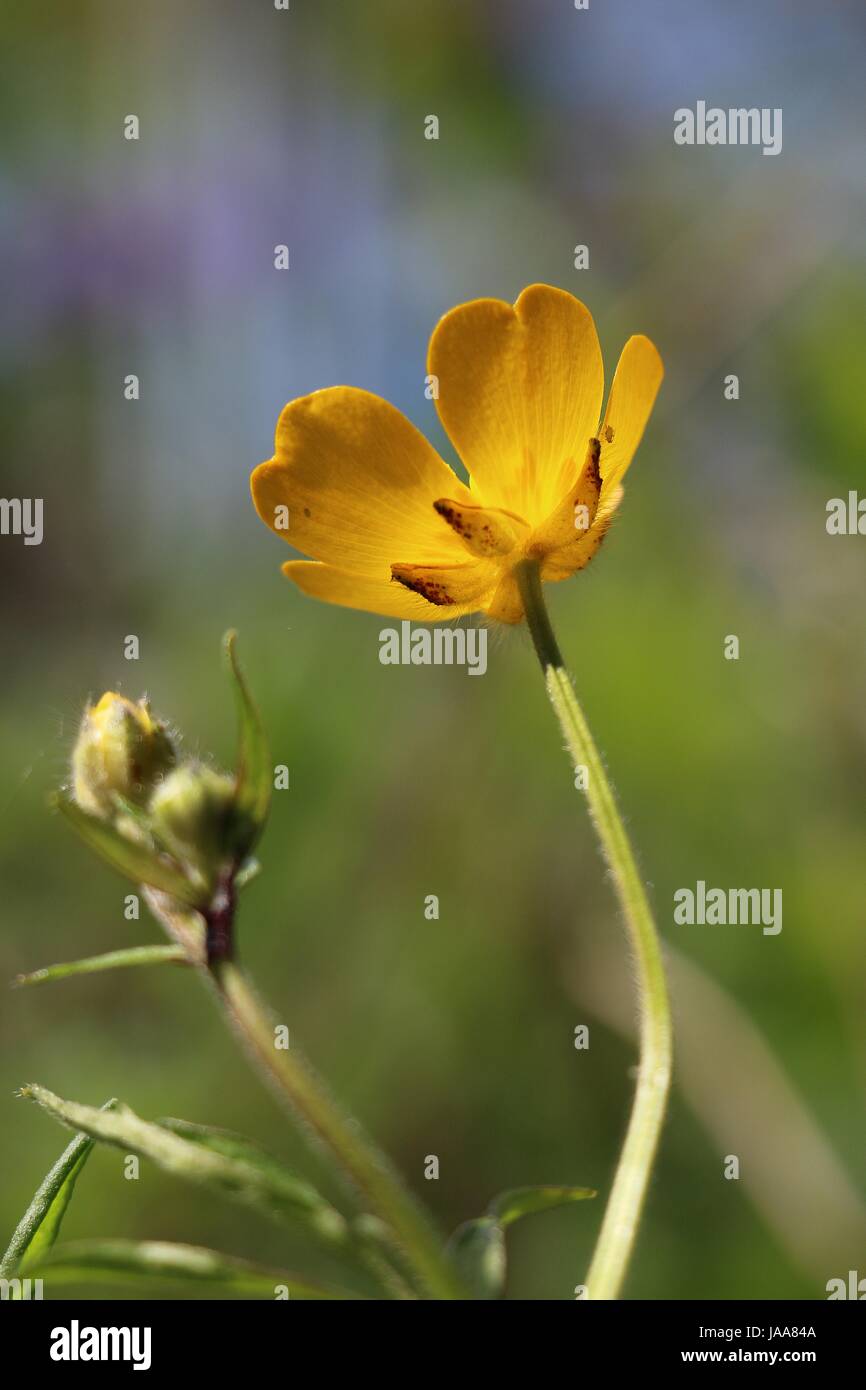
[389,526]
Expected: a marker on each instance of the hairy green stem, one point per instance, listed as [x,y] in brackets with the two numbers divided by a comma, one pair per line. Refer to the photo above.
[369,1169]
[619,1226]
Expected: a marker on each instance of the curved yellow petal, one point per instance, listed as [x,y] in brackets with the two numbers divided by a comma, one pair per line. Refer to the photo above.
[568,559]
[463,588]
[520,390]
[575,513]
[635,386]
[484,531]
[506,605]
[372,595]
[353,483]
[608,503]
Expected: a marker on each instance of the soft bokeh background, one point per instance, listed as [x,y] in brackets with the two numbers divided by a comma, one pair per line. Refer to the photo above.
[453,1037]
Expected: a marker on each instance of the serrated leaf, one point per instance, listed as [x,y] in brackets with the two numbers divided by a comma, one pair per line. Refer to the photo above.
[477,1249]
[526,1201]
[266,1187]
[111,960]
[254,772]
[37,1230]
[105,1261]
[136,861]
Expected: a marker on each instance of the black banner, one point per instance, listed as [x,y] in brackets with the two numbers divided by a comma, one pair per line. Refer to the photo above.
[65,1338]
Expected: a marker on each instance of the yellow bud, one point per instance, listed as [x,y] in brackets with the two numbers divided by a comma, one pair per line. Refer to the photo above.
[121,749]
[193,812]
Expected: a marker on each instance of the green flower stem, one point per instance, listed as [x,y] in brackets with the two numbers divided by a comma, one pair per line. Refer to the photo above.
[369,1170]
[619,1227]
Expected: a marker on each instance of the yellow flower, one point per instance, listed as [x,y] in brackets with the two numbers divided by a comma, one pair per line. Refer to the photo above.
[391,528]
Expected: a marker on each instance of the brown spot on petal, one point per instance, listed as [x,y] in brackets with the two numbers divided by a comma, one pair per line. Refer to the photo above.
[593,471]
[432,589]
[608,433]
[453,517]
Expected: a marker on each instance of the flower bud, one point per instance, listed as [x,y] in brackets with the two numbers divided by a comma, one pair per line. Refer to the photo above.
[121,750]
[194,813]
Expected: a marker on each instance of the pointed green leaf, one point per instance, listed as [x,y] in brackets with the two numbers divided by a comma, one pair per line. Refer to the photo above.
[37,1230]
[106,1261]
[286,1186]
[135,861]
[260,1184]
[111,960]
[525,1201]
[254,771]
[477,1249]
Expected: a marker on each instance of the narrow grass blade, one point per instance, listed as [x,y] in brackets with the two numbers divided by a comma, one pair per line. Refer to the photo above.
[112,960]
[37,1230]
[151,1261]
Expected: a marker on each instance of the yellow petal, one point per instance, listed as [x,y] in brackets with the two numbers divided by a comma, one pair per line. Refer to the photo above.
[462,588]
[506,605]
[564,562]
[349,590]
[484,531]
[608,503]
[520,392]
[572,517]
[635,386]
[356,483]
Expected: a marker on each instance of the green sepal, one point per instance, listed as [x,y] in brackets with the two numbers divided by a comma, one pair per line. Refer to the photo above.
[136,861]
[254,774]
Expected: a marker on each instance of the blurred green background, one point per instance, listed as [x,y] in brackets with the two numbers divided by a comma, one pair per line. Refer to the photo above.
[452,1037]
